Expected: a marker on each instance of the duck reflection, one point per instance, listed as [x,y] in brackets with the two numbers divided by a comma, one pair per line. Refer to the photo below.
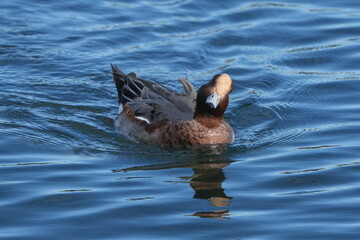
[206,182]
[219,214]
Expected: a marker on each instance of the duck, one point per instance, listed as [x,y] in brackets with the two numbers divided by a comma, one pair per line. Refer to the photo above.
[150,113]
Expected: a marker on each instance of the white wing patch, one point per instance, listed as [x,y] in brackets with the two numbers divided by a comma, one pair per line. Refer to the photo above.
[143,119]
[121,108]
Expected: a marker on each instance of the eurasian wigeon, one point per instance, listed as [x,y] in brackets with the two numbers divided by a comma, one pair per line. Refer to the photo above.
[153,114]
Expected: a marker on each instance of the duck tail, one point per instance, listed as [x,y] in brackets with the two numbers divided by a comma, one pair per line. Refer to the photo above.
[118,77]
[128,85]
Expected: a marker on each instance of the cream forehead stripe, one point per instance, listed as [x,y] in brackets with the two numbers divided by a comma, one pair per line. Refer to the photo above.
[223,84]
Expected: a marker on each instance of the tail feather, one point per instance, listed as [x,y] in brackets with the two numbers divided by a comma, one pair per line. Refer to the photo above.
[128,86]
[118,77]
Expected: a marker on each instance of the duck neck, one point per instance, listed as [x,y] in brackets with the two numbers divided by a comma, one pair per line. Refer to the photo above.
[209,118]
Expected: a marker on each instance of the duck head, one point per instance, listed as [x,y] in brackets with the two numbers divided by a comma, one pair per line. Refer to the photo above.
[212,100]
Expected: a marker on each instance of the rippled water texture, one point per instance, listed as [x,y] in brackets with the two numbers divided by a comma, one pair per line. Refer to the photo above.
[292,173]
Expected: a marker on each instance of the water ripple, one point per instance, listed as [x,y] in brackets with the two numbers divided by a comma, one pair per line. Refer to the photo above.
[67,173]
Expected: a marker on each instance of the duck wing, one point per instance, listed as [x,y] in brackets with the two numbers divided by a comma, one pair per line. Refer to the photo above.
[153,101]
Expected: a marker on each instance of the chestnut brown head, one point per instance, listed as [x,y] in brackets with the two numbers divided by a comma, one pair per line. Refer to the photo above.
[213,98]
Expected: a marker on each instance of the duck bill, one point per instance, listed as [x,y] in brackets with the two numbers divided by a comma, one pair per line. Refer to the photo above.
[213,100]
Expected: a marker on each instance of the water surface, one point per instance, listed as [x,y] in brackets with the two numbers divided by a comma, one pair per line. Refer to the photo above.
[292,172]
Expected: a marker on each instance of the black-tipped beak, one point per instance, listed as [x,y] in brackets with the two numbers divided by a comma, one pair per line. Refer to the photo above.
[213,100]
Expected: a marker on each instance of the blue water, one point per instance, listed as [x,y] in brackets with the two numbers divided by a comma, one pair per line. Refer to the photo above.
[292,173]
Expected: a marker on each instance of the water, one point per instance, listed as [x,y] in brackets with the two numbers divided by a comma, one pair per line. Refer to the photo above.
[292,173]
